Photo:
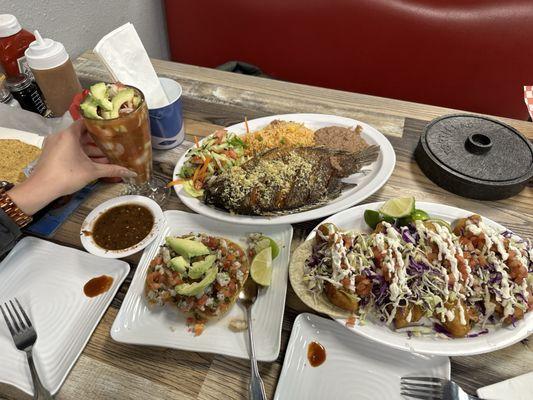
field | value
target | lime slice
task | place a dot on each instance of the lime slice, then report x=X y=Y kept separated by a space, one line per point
x=265 y=242
x=372 y=218
x=398 y=207
x=440 y=222
x=419 y=215
x=261 y=268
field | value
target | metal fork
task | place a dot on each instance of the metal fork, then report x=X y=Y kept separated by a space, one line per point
x=427 y=388
x=24 y=336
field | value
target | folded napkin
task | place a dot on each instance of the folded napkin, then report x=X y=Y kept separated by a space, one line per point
x=518 y=388
x=528 y=98
x=124 y=56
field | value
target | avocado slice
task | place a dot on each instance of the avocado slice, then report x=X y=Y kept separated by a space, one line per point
x=136 y=101
x=187 y=247
x=195 y=288
x=89 y=108
x=179 y=264
x=123 y=96
x=200 y=267
x=99 y=94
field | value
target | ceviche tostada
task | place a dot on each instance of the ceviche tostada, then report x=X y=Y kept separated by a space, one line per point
x=202 y=275
x=418 y=275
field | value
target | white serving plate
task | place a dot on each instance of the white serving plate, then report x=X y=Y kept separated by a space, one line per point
x=352 y=219
x=48 y=281
x=87 y=226
x=136 y=323
x=379 y=172
x=355 y=368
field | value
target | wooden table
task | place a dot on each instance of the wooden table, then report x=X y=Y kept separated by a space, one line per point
x=211 y=99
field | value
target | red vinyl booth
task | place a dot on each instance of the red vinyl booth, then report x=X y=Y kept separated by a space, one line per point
x=472 y=55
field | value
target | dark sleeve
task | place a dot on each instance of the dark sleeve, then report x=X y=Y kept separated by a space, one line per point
x=9 y=233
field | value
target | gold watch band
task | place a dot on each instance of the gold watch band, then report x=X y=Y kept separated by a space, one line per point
x=12 y=210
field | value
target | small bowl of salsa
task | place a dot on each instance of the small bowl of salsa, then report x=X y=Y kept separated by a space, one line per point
x=121 y=226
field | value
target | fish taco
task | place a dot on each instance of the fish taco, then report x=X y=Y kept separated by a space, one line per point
x=317 y=301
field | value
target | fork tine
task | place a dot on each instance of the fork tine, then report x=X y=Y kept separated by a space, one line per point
x=421 y=385
x=432 y=392
x=21 y=322
x=8 y=323
x=13 y=320
x=28 y=321
x=418 y=396
x=423 y=379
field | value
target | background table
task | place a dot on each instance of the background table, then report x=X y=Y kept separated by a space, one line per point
x=211 y=99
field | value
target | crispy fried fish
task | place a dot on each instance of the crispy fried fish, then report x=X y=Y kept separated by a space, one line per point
x=281 y=180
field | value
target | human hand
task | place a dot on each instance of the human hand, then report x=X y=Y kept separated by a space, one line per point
x=64 y=167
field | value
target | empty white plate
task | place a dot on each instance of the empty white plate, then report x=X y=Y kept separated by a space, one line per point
x=167 y=327
x=355 y=367
x=48 y=280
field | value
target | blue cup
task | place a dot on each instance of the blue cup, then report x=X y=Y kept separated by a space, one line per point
x=166 y=123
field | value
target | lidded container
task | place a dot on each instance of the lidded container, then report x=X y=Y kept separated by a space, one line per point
x=13 y=43
x=53 y=72
x=26 y=92
x=475 y=156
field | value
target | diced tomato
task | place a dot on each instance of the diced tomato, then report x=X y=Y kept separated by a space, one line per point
x=346 y=282
x=350 y=322
x=198 y=329
x=231 y=153
x=202 y=300
x=156 y=261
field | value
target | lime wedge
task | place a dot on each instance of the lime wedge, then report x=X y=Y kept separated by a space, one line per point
x=419 y=215
x=372 y=218
x=261 y=268
x=265 y=242
x=398 y=207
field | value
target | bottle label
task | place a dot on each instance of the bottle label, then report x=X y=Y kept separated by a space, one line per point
x=24 y=68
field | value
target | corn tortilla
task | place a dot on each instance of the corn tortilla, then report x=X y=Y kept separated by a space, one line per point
x=319 y=302
x=14 y=157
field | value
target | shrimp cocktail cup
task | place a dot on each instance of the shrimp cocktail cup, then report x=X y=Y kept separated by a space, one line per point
x=116 y=117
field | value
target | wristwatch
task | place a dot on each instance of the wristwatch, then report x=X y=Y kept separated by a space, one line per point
x=10 y=208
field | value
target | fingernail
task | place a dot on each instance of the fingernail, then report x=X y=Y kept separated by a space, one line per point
x=126 y=173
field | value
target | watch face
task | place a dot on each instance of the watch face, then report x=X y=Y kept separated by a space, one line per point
x=6 y=185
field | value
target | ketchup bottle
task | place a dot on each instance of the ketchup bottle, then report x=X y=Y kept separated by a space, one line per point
x=13 y=43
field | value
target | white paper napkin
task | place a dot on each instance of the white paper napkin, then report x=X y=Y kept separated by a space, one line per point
x=518 y=388
x=124 y=55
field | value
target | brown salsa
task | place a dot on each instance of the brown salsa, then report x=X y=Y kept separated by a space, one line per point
x=97 y=286
x=122 y=226
x=316 y=354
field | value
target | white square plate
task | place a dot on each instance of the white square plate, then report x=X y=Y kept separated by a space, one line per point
x=355 y=367
x=48 y=281
x=166 y=326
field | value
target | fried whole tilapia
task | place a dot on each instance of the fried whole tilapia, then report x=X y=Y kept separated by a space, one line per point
x=282 y=180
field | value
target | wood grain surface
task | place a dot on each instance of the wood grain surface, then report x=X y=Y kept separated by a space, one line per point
x=212 y=99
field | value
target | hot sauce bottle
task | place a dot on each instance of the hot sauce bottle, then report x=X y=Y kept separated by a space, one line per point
x=13 y=43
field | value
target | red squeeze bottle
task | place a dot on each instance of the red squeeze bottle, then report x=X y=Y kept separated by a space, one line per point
x=13 y=43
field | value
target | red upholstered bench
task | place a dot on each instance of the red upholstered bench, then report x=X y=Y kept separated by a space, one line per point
x=467 y=54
